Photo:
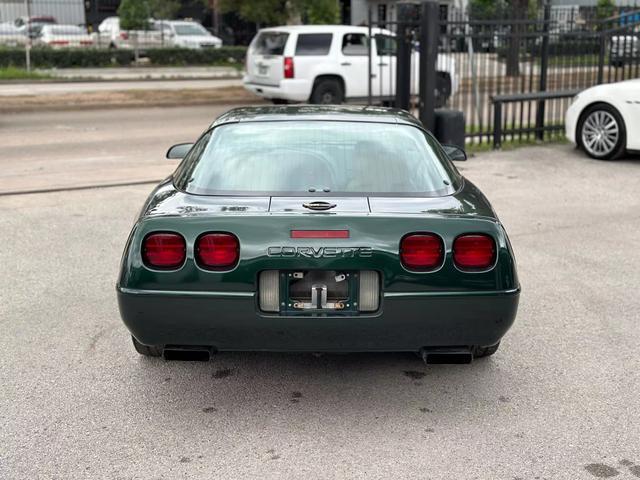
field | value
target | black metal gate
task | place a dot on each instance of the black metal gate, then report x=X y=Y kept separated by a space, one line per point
x=513 y=74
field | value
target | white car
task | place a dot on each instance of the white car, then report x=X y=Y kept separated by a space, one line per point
x=604 y=120
x=64 y=36
x=112 y=36
x=624 y=48
x=328 y=64
x=187 y=34
x=11 y=36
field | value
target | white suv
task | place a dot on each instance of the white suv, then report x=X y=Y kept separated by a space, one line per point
x=328 y=64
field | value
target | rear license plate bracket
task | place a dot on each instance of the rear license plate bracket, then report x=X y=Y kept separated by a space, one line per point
x=328 y=292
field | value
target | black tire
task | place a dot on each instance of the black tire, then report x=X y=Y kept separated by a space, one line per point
x=602 y=110
x=480 y=352
x=279 y=101
x=327 y=92
x=147 y=350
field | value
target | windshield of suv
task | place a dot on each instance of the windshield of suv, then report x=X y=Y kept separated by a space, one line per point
x=298 y=157
x=190 y=29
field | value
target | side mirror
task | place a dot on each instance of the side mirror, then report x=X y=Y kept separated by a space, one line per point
x=455 y=153
x=179 y=151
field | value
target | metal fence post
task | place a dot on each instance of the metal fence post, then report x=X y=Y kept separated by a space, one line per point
x=429 y=23
x=601 y=54
x=497 y=124
x=403 y=60
x=544 y=65
x=370 y=59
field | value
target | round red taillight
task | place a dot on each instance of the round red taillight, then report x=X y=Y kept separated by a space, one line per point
x=421 y=251
x=217 y=250
x=474 y=252
x=164 y=250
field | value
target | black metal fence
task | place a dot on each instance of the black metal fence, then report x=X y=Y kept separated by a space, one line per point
x=514 y=74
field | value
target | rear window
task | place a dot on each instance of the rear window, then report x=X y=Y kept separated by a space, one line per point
x=314 y=44
x=270 y=43
x=298 y=157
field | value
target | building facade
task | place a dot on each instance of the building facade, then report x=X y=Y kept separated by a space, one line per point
x=355 y=12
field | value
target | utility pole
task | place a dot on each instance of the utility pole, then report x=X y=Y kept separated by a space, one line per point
x=27 y=51
x=215 y=17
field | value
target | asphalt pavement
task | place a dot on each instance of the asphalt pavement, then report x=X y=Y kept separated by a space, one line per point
x=558 y=401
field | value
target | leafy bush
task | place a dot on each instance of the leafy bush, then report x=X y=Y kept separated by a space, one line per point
x=204 y=56
x=71 y=58
x=49 y=58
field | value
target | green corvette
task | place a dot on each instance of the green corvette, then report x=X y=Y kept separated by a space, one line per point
x=317 y=229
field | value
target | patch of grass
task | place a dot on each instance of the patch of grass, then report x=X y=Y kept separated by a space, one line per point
x=14 y=73
x=513 y=144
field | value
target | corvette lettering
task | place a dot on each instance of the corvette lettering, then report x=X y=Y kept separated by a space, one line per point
x=320 y=252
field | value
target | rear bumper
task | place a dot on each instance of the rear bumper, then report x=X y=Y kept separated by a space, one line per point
x=295 y=90
x=231 y=322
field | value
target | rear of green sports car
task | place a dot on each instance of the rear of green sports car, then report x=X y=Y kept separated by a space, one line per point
x=322 y=230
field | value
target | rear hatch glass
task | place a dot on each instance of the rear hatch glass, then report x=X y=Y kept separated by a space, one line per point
x=264 y=62
x=341 y=158
x=269 y=43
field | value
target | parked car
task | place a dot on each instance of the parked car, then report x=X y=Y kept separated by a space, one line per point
x=32 y=26
x=12 y=36
x=603 y=120
x=187 y=34
x=625 y=49
x=328 y=64
x=64 y=36
x=112 y=36
x=317 y=229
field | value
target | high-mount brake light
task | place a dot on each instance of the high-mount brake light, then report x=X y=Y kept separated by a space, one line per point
x=421 y=251
x=319 y=233
x=217 y=251
x=474 y=252
x=164 y=250
x=288 y=67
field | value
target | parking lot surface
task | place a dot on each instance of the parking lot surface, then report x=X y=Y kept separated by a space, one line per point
x=558 y=401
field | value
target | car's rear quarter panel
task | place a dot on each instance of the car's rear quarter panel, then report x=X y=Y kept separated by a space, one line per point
x=442 y=307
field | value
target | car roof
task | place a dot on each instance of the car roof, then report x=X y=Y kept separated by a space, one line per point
x=351 y=113
x=323 y=28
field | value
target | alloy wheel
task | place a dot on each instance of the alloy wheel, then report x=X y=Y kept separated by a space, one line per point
x=600 y=133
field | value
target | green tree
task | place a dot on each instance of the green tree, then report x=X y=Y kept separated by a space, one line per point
x=134 y=14
x=164 y=9
x=278 y=12
x=605 y=9
x=319 y=12
x=486 y=9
